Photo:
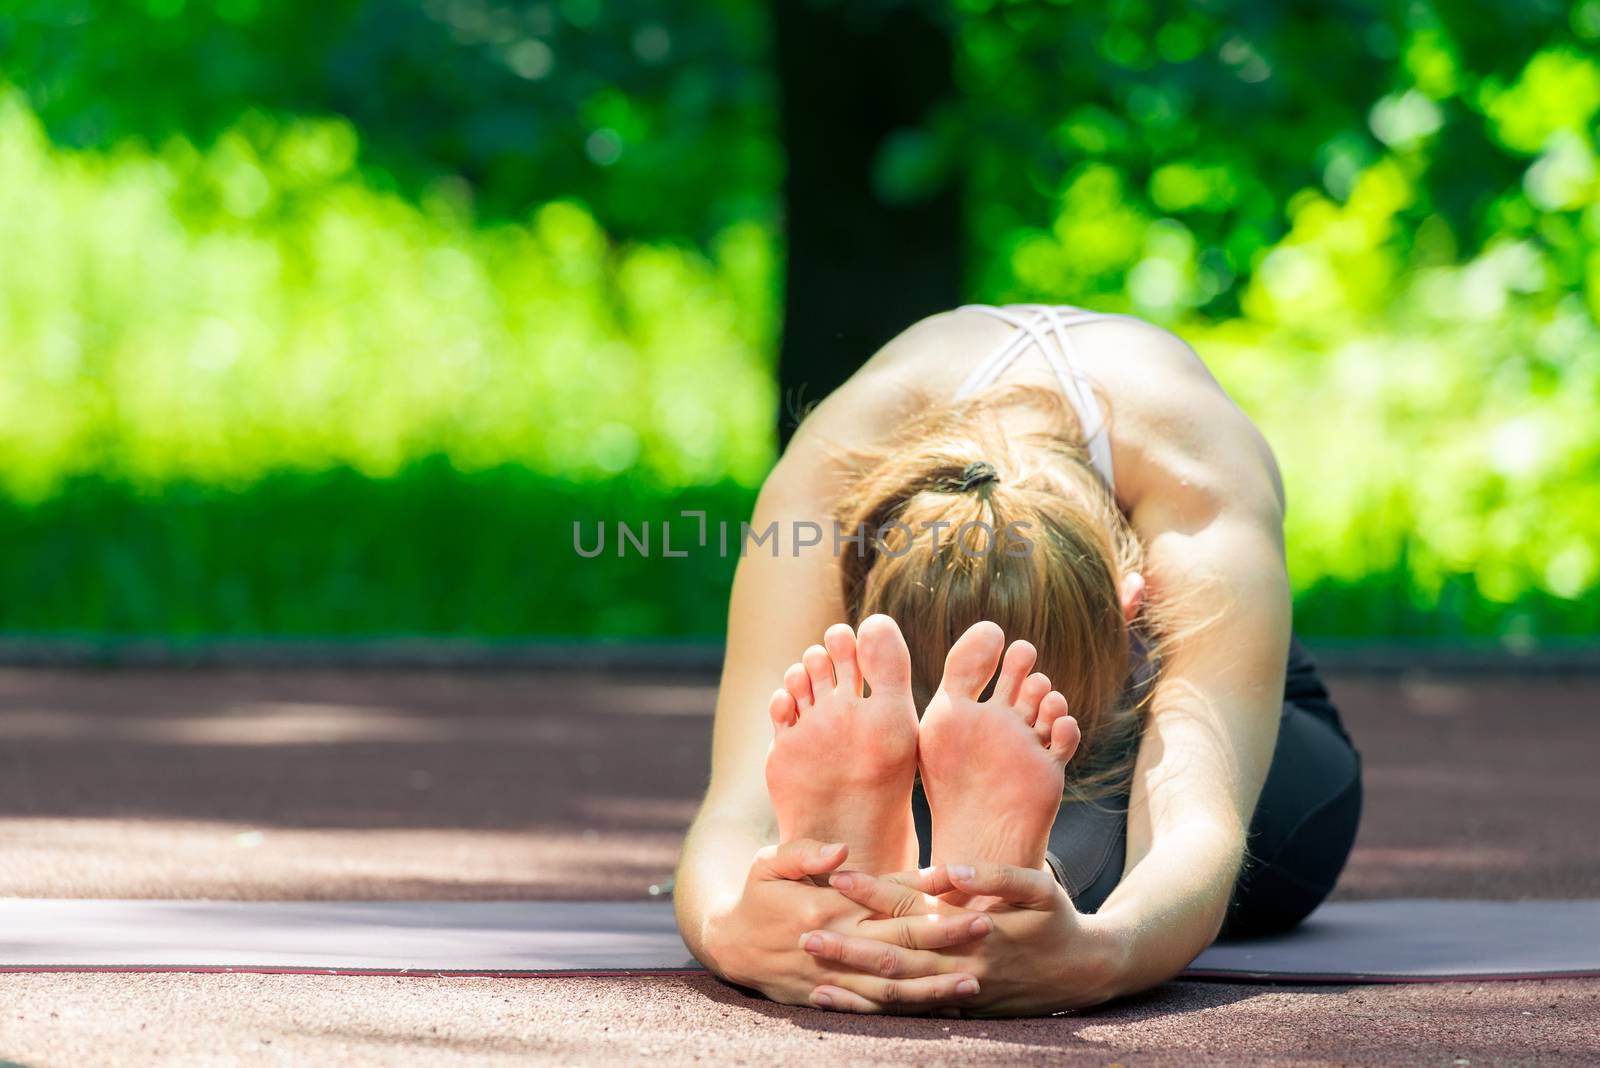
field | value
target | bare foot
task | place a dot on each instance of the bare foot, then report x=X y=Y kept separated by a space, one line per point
x=841 y=765
x=993 y=770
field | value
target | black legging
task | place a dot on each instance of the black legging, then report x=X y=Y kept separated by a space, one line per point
x=1304 y=824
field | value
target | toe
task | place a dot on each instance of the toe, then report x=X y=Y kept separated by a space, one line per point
x=1014 y=669
x=1032 y=691
x=820 y=668
x=1064 y=738
x=782 y=709
x=798 y=683
x=1052 y=708
x=883 y=655
x=840 y=641
x=972 y=659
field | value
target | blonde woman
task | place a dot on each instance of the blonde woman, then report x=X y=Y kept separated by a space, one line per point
x=1150 y=760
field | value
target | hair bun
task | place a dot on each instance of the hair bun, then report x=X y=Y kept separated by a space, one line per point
x=978 y=473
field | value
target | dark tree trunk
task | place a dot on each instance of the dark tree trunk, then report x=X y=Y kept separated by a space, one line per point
x=859 y=270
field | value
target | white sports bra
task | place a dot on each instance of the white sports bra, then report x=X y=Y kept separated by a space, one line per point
x=1044 y=326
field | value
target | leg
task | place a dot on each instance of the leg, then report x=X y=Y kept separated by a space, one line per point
x=841 y=763
x=1304 y=827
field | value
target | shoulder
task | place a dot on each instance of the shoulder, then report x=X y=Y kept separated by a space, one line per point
x=1153 y=361
x=1179 y=439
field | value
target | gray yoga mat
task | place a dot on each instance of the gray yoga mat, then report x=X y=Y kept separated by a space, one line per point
x=1364 y=941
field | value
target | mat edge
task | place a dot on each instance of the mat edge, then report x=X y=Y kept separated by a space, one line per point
x=1199 y=975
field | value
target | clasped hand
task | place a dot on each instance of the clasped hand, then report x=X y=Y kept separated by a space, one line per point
x=904 y=943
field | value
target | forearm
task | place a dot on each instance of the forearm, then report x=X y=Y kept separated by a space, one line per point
x=1208 y=741
x=1171 y=905
x=716 y=858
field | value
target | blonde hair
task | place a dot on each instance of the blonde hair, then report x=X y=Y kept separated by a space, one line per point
x=969 y=518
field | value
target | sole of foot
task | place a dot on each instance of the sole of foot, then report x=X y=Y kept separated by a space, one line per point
x=994 y=769
x=843 y=760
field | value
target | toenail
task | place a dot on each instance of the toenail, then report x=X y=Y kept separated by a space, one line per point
x=823 y=1001
x=813 y=943
x=966 y=988
x=962 y=872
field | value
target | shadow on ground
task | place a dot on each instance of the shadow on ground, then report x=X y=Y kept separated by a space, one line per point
x=542 y=784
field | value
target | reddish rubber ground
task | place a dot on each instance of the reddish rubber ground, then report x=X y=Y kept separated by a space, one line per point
x=438 y=785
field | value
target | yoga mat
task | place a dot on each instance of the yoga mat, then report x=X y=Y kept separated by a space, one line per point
x=1343 y=942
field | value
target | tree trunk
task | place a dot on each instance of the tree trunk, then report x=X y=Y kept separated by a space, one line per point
x=859 y=270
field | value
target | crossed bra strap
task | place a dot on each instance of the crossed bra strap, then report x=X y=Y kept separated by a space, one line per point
x=1044 y=326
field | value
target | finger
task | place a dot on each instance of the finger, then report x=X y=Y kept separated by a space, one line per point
x=931 y=882
x=911 y=878
x=1023 y=887
x=1034 y=687
x=782 y=709
x=1019 y=660
x=1064 y=738
x=865 y=993
x=916 y=918
x=799 y=858
x=798 y=683
x=819 y=666
x=840 y=641
x=928 y=932
x=935 y=883
x=874 y=957
x=883 y=896
x=837 y=999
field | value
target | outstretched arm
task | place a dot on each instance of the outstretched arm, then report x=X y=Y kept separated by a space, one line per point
x=779 y=606
x=1207 y=502
x=1212 y=726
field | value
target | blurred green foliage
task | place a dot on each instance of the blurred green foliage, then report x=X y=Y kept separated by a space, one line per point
x=255 y=306
x=429 y=549
x=248 y=393
x=331 y=318
x=1380 y=225
x=658 y=112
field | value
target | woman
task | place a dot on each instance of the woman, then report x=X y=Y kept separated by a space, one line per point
x=1080 y=484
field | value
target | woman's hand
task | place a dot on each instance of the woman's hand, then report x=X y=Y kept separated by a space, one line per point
x=1042 y=956
x=762 y=941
